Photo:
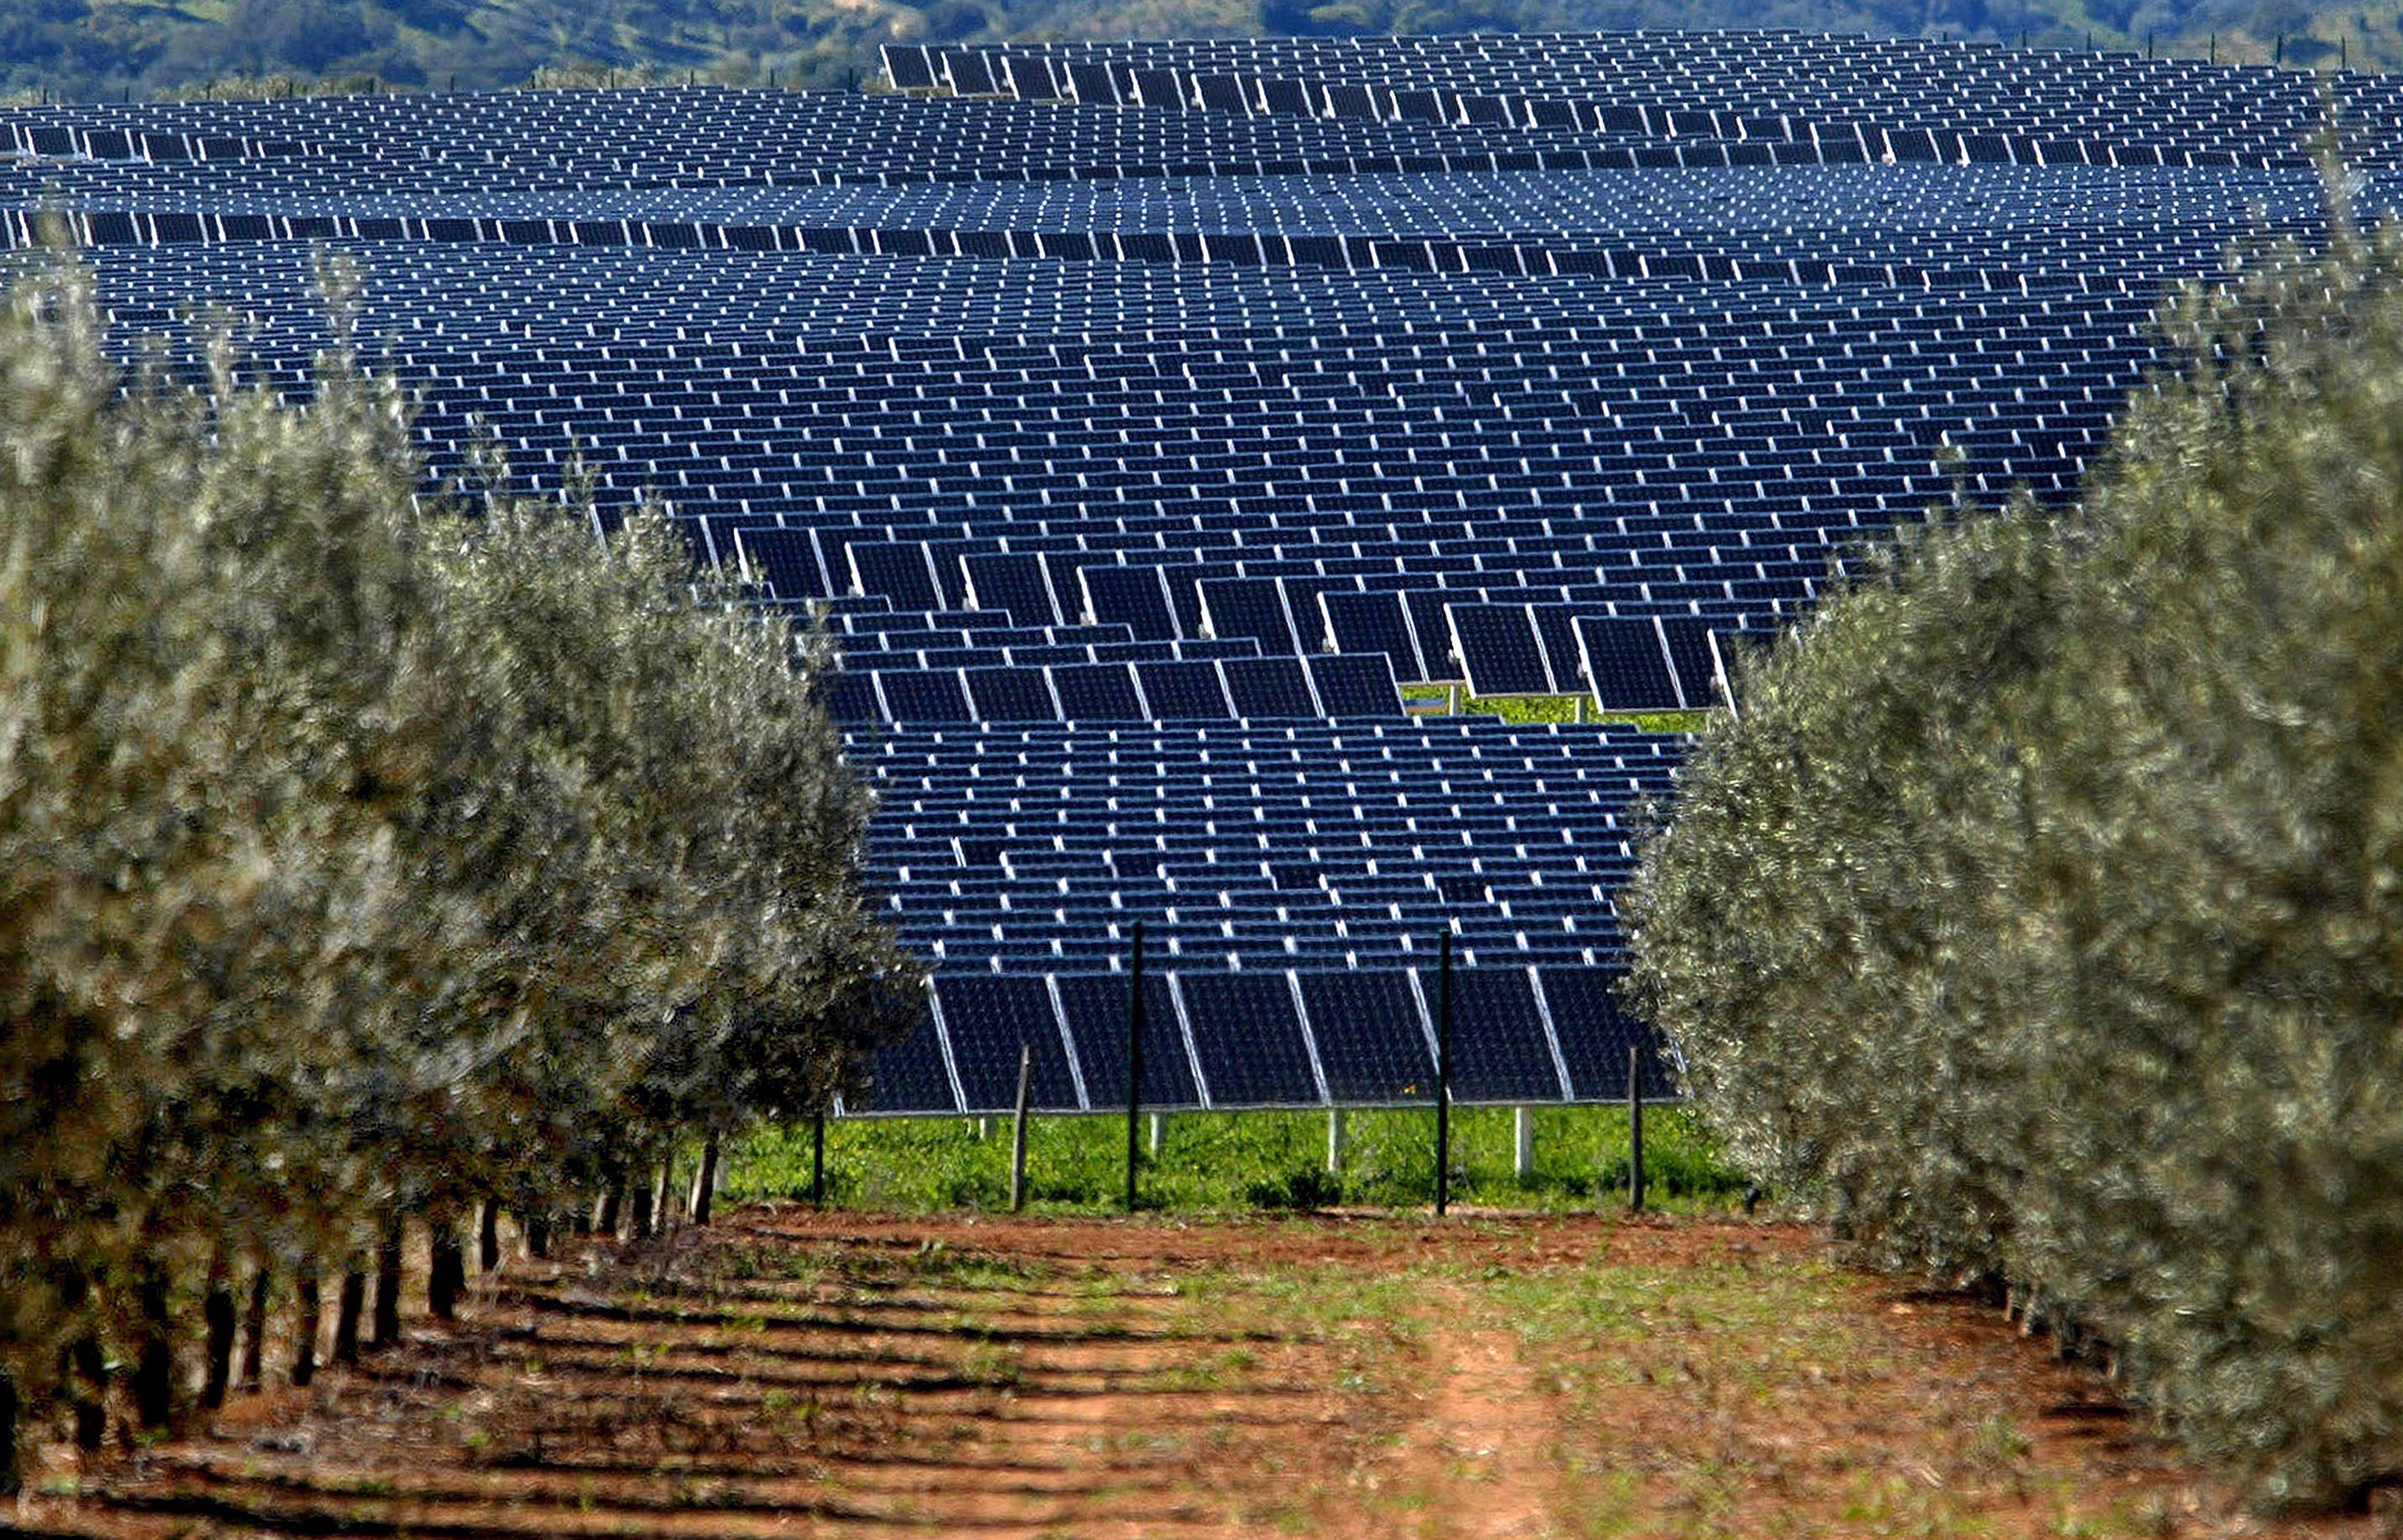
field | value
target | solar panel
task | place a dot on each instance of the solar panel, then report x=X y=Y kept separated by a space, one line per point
x=1688 y=643
x=906 y=66
x=1133 y=597
x=1014 y=584
x=1095 y=692
x=1401 y=334
x=911 y=1074
x=1247 y=1035
x=911 y=697
x=1497 y=1037
x=1009 y=695
x=987 y=1016
x=1248 y=606
x=1268 y=686
x=852 y=701
x=1433 y=628
x=1373 y=622
x=1627 y=663
x=1355 y=686
x=1595 y=1031
x=1095 y=1008
x=1498 y=649
x=1184 y=691
x=1371 y=1038
x=783 y=558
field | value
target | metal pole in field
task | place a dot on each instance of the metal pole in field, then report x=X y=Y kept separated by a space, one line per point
x=1134 y=1061
x=1443 y=1075
x=1635 y=1127
x=817 y=1160
x=1018 y=1129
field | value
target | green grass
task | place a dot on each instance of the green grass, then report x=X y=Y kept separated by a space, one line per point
x=1559 y=708
x=1234 y=1162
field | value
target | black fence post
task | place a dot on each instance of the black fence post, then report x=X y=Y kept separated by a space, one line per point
x=1134 y=1061
x=1635 y=1127
x=1443 y=1075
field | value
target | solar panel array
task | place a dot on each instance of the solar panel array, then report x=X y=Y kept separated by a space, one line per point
x=1139 y=417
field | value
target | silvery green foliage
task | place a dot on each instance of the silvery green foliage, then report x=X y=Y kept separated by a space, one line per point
x=1811 y=925
x=363 y=851
x=2043 y=916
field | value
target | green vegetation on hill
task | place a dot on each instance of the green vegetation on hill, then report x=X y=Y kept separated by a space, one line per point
x=82 y=49
x=2042 y=916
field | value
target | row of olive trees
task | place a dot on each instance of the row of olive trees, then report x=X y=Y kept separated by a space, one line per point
x=365 y=854
x=2041 y=917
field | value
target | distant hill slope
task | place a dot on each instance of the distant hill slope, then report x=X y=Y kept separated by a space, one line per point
x=88 y=49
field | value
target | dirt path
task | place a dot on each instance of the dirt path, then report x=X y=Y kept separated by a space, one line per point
x=1481 y=1457
x=788 y=1374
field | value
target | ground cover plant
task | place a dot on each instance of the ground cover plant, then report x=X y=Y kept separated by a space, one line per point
x=1229 y=1161
x=2040 y=918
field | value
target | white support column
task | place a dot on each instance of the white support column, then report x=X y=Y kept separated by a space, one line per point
x=1524 y=1125
x=1158 y=1129
x=1337 y=1134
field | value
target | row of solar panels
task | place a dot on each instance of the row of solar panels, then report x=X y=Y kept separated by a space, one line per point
x=1949 y=261
x=1633 y=663
x=1163 y=691
x=1752 y=72
x=1797 y=237
x=1259 y=845
x=1519 y=1035
x=1727 y=137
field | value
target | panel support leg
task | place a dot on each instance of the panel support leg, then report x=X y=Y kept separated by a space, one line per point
x=1522 y=1128
x=1336 y=1135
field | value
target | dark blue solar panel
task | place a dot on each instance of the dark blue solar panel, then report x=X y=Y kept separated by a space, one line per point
x=1095 y=692
x=1184 y=691
x=1132 y=597
x=1370 y=1035
x=1627 y=664
x=905 y=64
x=1434 y=629
x=929 y=697
x=899 y=572
x=783 y=560
x=907 y=1075
x=851 y=698
x=1689 y=653
x=1373 y=622
x=1248 y=1037
x=1268 y=686
x=1009 y=695
x=1248 y=606
x=988 y=1015
x=1355 y=686
x=1096 y=1007
x=1595 y=1031
x=1497 y=1038
x=1498 y=649
x=1013 y=584
x=1554 y=629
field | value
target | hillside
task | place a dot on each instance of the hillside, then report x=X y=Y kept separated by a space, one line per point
x=83 y=49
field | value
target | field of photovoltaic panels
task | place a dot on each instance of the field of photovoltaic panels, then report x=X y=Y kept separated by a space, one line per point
x=1144 y=416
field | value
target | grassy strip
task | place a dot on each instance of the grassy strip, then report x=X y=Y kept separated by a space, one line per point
x=1559 y=708
x=1225 y=1161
